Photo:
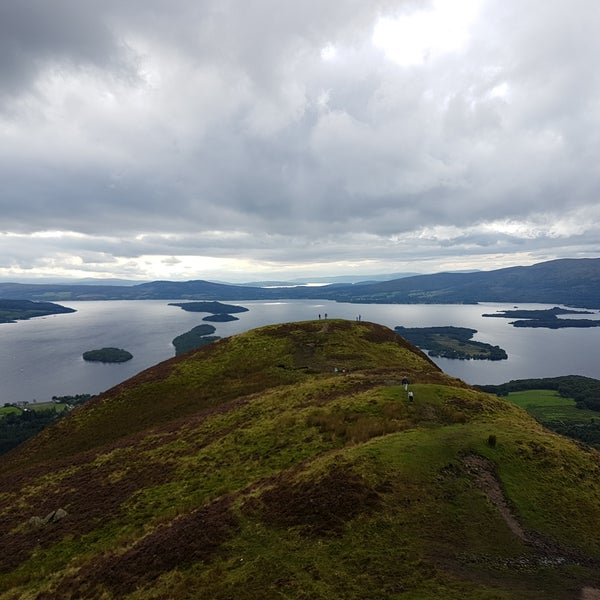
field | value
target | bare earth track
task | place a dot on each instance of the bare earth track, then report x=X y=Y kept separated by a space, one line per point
x=482 y=471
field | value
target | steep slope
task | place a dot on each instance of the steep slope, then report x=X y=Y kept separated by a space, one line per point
x=287 y=462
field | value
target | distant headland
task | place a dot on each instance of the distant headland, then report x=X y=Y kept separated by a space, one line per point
x=547 y=318
x=19 y=310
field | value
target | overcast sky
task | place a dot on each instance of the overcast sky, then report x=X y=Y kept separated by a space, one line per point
x=258 y=139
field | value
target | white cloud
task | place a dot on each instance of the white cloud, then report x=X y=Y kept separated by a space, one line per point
x=426 y=33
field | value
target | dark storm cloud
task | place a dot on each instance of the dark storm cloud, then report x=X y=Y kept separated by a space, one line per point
x=36 y=35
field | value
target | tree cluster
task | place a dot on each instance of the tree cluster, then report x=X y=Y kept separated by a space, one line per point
x=15 y=428
x=107 y=355
x=584 y=390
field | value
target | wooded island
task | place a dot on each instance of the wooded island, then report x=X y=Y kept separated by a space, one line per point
x=108 y=355
x=451 y=342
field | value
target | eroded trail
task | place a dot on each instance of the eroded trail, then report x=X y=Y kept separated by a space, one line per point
x=483 y=472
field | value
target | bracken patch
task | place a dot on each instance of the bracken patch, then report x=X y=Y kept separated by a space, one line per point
x=189 y=539
x=88 y=496
x=318 y=507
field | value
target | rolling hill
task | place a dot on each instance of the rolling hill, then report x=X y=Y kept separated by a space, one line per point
x=574 y=282
x=287 y=462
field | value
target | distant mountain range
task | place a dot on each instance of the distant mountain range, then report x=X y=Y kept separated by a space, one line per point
x=336 y=279
x=572 y=282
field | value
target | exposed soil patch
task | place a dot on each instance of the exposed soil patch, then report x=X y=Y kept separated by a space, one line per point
x=548 y=551
x=318 y=507
x=483 y=472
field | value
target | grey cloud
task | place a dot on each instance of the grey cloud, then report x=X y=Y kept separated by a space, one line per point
x=35 y=35
x=130 y=118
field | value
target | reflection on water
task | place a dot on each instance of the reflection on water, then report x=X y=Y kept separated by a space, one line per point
x=42 y=357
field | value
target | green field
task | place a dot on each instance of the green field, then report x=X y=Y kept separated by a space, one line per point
x=18 y=424
x=37 y=406
x=560 y=414
x=548 y=407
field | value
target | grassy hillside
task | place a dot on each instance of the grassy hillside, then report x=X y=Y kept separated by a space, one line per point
x=287 y=462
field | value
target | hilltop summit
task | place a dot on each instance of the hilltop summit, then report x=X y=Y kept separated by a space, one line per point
x=288 y=462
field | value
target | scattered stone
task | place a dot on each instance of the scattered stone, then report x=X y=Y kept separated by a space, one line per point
x=54 y=517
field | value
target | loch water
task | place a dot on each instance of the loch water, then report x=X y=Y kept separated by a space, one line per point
x=42 y=357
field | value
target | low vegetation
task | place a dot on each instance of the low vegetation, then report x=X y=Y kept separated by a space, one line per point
x=287 y=463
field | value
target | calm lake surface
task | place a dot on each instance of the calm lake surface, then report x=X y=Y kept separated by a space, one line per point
x=42 y=357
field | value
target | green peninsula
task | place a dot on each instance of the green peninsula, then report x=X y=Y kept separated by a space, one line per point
x=195 y=338
x=547 y=318
x=451 y=342
x=107 y=355
x=19 y=310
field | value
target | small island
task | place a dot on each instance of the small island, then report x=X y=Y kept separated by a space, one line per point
x=215 y=308
x=107 y=355
x=451 y=342
x=12 y=311
x=220 y=318
x=547 y=318
x=195 y=338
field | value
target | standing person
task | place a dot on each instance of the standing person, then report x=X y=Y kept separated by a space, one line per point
x=410 y=396
x=405 y=383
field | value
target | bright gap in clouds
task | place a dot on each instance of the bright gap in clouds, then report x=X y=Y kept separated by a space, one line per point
x=329 y=52
x=414 y=38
